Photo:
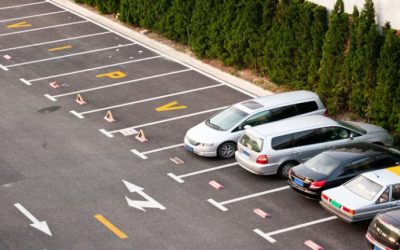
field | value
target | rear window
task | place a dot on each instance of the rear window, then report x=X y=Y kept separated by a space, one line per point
x=306 y=107
x=322 y=164
x=254 y=144
x=363 y=187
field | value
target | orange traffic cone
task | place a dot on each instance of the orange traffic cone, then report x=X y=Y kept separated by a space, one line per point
x=79 y=99
x=54 y=85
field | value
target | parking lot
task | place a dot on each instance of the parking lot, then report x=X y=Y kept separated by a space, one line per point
x=98 y=187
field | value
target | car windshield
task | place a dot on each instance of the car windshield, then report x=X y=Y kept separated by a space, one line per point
x=226 y=119
x=386 y=230
x=363 y=187
x=322 y=164
x=352 y=126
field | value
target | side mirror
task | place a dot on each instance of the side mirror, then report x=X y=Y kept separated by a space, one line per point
x=351 y=136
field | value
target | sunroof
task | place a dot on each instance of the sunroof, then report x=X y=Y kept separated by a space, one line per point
x=252 y=105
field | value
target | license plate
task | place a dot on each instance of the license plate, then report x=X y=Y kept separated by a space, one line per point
x=246 y=154
x=189 y=148
x=377 y=248
x=298 y=181
x=335 y=204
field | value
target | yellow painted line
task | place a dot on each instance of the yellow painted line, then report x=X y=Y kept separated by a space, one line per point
x=19 y=25
x=395 y=170
x=170 y=106
x=60 y=48
x=110 y=226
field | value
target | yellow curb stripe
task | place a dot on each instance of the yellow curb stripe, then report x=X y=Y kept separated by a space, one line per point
x=110 y=226
x=60 y=48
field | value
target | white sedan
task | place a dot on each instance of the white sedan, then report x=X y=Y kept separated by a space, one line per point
x=364 y=196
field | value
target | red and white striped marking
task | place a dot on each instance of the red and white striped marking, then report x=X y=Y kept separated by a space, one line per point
x=7 y=57
x=177 y=160
x=314 y=246
x=261 y=213
x=216 y=185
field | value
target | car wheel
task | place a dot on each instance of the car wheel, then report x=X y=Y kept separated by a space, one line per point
x=283 y=170
x=226 y=150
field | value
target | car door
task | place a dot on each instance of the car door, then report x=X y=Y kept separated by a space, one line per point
x=307 y=144
x=382 y=203
x=335 y=136
x=253 y=120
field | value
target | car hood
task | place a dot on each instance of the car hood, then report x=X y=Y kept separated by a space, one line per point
x=370 y=128
x=204 y=134
x=347 y=198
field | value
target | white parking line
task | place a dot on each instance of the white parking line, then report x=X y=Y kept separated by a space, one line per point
x=268 y=237
x=3 y=67
x=70 y=55
x=158 y=52
x=221 y=206
x=96 y=68
x=32 y=16
x=150 y=99
x=53 y=98
x=143 y=154
x=55 y=41
x=178 y=178
x=21 y=5
x=167 y=120
x=43 y=28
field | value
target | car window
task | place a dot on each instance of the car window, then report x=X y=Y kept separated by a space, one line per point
x=251 y=143
x=395 y=192
x=363 y=187
x=358 y=167
x=282 y=142
x=257 y=119
x=283 y=112
x=384 y=197
x=306 y=107
x=334 y=133
x=226 y=119
x=355 y=130
x=385 y=161
x=322 y=164
x=307 y=137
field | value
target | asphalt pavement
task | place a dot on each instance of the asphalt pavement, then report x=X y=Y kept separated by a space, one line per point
x=95 y=185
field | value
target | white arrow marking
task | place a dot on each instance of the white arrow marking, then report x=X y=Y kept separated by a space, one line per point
x=40 y=225
x=149 y=202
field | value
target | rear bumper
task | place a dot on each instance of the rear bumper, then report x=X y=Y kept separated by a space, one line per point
x=336 y=212
x=315 y=195
x=255 y=168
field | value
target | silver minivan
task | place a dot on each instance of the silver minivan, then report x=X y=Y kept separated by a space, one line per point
x=218 y=135
x=277 y=147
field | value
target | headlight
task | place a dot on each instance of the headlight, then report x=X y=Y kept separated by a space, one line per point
x=206 y=144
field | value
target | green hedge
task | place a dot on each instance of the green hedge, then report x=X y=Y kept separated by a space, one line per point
x=347 y=59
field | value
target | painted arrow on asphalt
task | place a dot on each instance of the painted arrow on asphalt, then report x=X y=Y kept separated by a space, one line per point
x=40 y=225
x=141 y=204
x=170 y=106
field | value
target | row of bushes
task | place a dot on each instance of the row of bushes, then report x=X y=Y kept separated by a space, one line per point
x=348 y=59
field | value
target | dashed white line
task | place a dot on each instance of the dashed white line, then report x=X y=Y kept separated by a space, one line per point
x=101 y=67
x=268 y=237
x=43 y=28
x=55 y=41
x=150 y=99
x=179 y=177
x=21 y=5
x=69 y=55
x=38 y=15
x=221 y=204
x=120 y=83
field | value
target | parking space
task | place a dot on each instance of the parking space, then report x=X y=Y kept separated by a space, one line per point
x=59 y=56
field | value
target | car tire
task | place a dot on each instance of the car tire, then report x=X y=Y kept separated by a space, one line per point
x=226 y=150
x=283 y=170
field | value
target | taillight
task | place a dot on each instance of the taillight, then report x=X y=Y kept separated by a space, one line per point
x=325 y=197
x=348 y=210
x=326 y=113
x=262 y=159
x=317 y=184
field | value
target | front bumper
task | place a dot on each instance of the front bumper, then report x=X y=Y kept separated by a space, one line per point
x=200 y=150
